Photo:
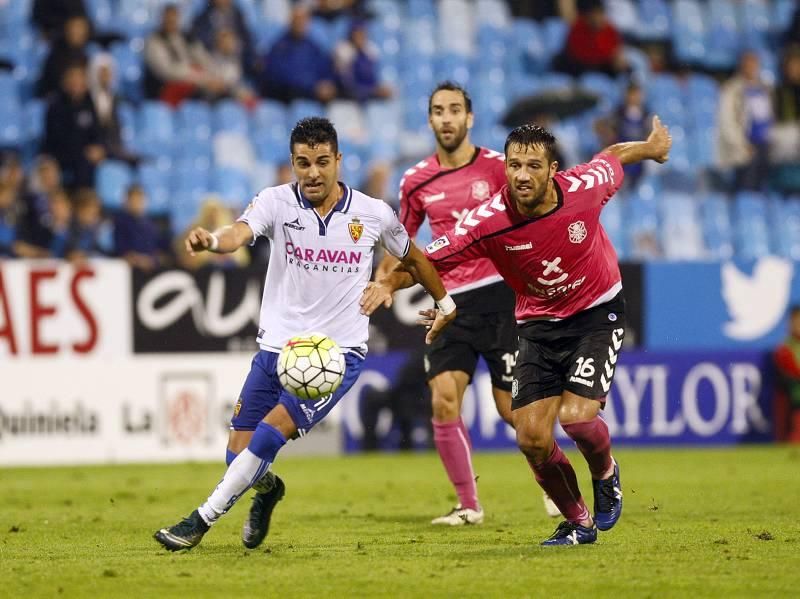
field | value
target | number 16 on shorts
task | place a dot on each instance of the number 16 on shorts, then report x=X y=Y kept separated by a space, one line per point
x=600 y=367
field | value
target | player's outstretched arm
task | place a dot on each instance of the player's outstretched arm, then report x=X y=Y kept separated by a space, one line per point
x=655 y=147
x=222 y=241
x=422 y=271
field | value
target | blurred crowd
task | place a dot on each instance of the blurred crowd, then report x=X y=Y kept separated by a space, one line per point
x=48 y=202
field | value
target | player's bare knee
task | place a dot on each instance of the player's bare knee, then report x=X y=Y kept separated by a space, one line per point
x=238 y=440
x=577 y=409
x=446 y=406
x=535 y=444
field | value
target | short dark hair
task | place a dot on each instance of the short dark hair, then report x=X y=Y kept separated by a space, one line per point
x=450 y=86
x=532 y=135
x=313 y=131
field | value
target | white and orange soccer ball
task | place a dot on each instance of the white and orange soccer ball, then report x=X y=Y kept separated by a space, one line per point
x=311 y=366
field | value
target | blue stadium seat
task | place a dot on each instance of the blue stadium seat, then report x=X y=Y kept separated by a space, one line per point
x=34 y=116
x=9 y=92
x=184 y=208
x=232 y=185
x=788 y=228
x=271 y=138
x=186 y=179
x=494 y=13
x=612 y=219
x=155 y=182
x=230 y=115
x=193 y=121
x=608 y=91
x=530 y=53
x=419 y=35
x=624 y=15
x=754 y=16
x=421 y=9
x=15 y=13
x=782 y=13
x=717 y=230
x=654 y=20
x=454 y=67
x=681 y=233
x=129 y=69
x=300 y=109
x=750 y=226
x=102 y=14
x=111 y=181
x=554 y=32
x=641 y=228
x=688 y=31
x=155 y=135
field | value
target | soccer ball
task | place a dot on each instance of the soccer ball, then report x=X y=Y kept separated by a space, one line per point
x=310 y=366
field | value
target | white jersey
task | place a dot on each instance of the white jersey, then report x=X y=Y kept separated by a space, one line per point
x=319 y=267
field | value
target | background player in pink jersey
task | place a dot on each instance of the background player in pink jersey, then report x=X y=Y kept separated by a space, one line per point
x=542 y=231
x=443 y=187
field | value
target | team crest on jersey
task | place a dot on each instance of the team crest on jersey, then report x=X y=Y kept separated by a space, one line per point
x=577 y=232
x=238 y=407
x=356 y=229
x=480 y=190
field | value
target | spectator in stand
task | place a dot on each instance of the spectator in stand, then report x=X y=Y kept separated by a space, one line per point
x=544 y=9
x=45 y=180
x=333 y=9
x=135 y=236
x=176 y=66
x=296 y=67
x=356 y=62
x=91 y=232
x=787 y=369
x=49 y=16
x=224 y=15
x=49 y=238
x=68 y=49
x=213 y=215
x=745 y=120
x=226 y=63
x=593 y=44
x=9 y=218
x=629 y=122
x=72 y=132
x=102 y=79
x=784 y=149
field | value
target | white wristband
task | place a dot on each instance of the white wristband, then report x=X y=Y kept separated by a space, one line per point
x=446 y=305
x=214 y=243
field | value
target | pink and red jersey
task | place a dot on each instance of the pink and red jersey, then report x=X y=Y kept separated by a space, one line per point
x=557 y=264
x=445 y=196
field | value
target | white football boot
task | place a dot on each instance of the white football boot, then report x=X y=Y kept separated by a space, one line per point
x=459 y=516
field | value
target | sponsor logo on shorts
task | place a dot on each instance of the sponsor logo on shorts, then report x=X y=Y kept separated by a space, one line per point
x=427 y=363
x=238 y=407
x=577 y=379
x=437 y=244
x=520 y=247
x=612 y=317
x=514 y=388
x=577 y=231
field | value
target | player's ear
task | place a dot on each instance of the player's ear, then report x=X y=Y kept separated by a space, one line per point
x=470 y=120
x=553 y=168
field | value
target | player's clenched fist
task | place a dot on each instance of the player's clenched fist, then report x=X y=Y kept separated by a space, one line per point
x=199 y=240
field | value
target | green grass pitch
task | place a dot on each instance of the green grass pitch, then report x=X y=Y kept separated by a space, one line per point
x=721 y=522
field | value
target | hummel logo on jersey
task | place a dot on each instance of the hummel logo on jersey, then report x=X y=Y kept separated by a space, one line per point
x=295 y=224
x=519 y=248
x=601 y=173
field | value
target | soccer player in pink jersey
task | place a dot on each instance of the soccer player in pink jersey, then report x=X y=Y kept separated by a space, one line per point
x=542 y=232
x=456 y=178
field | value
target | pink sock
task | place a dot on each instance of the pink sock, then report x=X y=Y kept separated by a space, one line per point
x=594 y=442
x=453 y=444
x=556 y=476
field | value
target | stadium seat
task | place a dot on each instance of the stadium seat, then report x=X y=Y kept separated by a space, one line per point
x=750 y=226
x=421 y=9
x=554 y=32
x=111 y=181
x=193 y=121
x=493 y=13
x=530 y=53
x=612 y=219
x=34 y=116
x=717 y=230
x=230 y=115
x=455 y=67
x=782 y=14
x=300 y=109
x=654 y=20
x=624 y=15
x=129 y=69
x=101 y=13
x=680 y=228
x=232 y=185
x=155 y=183
x=688 y=31
x=642 y=228
x=155 y=130
x=788 y=227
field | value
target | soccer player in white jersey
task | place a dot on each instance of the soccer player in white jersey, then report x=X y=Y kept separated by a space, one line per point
x=322 y=235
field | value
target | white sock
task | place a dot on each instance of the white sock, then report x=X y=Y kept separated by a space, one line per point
x=243 y=472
